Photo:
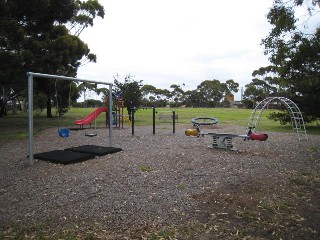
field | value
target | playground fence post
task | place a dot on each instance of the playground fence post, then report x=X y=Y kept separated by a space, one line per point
x=153 y=120
x=174 y=121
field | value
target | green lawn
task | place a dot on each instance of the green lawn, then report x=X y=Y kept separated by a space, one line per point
x=15 y=126
x=234 y=116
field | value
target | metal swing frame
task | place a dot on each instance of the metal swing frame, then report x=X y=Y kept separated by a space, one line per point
x=30 y=76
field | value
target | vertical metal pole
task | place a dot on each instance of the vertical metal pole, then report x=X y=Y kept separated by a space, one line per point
x=30 y=118
x=153 y=120
x=116 y=112
x=174 y=121
x=110 y=115
x=107 y=117
x=122 y=106
x=119 y=113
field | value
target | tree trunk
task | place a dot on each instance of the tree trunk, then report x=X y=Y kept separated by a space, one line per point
x=3 y=103
x=129 y=110
x=49 y=112
x=3 y=110
x=14 y=106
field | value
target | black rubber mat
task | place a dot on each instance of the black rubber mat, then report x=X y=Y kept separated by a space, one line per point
x=76 y=129
x=94 y=150
x=64 y=157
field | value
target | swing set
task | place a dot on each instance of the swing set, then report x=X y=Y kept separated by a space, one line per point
x=65 y=132
x=62 y=132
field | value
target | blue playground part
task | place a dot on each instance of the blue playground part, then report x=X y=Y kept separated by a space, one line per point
x=64 y=132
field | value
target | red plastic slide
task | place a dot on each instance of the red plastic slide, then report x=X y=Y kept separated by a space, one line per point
x=92 y=116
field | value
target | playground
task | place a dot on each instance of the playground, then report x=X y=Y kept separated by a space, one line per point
x=163 y=183
x=163 y=186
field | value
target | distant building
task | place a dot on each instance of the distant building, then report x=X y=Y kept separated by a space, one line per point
x=229 y=100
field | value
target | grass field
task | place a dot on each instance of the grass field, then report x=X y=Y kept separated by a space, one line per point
x=15 y=126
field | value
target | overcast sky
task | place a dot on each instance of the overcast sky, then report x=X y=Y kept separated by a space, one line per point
x=178 y=41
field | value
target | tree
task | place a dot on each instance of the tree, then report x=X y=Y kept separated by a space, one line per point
x=163 y=97
x=211 y=91
x=231 y=86
x=214 y=91
x=148 y=94
x=194 y=98
x=148 y=89
x=34 y=37
x=176 y=93
x=85 y=14
x=65 y=94
x=294 y=54
x=130 y=90
x=258 y=90
x=228 y=87
x=84 y=88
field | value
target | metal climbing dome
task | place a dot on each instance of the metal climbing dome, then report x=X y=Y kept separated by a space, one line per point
x=295 y=114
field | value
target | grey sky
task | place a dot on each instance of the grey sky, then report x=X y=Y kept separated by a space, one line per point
x=178 y=41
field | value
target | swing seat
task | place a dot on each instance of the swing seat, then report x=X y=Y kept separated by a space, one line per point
x=64 y=132
x=91 y=134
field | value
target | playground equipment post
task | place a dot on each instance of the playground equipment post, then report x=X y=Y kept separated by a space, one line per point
x=153 y=120
x=174 y=121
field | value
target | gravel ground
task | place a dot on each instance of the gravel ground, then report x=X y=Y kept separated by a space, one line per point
x=156 y=181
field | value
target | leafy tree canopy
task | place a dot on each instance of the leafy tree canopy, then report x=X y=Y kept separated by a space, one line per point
x=295 y=56
x=37 y=37
x=214 y=91
x=130 y=90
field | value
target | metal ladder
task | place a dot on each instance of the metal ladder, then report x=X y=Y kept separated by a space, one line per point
x=296 y=117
